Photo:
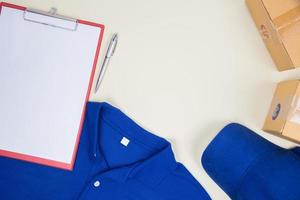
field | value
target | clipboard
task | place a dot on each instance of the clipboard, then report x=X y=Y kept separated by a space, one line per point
x=47 y=66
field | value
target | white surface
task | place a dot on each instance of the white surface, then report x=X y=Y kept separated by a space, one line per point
x=183 y=69
x=43 y=85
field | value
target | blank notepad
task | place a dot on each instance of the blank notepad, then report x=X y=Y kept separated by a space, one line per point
x=46 y=73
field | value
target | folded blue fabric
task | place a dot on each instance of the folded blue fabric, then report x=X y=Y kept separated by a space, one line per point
x=248 y=167
x=116 y=160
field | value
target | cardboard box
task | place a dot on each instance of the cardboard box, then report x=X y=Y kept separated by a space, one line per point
x=283 y=118
x=278 y=21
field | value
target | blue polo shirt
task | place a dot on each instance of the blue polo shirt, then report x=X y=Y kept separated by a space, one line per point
x=116 y=160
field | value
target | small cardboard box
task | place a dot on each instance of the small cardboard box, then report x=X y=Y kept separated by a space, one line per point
x=278 y=21
x=283 y=118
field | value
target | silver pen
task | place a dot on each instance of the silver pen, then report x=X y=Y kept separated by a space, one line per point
x=110 y=52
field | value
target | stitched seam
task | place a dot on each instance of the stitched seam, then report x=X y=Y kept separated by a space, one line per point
x=136 y=128
x=255 y=161
x=122 y=133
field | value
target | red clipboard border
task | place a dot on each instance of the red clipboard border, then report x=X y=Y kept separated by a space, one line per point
x=48 y=162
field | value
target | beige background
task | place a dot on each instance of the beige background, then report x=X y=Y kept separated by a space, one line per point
x=183 y=69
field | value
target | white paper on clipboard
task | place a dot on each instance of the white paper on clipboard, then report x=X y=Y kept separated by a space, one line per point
x=44 y=79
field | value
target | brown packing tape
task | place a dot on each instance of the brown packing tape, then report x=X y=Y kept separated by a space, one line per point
x=294 y=115
x=277 y=8
x=292 y=126
x=288 y=18
x=288 y=28
x=275 y=44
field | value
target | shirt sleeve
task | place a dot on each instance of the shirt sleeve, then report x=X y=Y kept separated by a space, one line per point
x=180 y=184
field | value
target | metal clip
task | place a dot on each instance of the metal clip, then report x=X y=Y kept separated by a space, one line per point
x=50 y=18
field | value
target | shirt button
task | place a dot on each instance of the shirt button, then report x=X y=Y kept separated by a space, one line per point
x=97 y=183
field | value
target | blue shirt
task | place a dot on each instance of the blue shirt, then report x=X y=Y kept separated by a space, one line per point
x=116 y=160
x=248 y=167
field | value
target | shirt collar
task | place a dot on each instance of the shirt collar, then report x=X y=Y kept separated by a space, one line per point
x=154 y=169
x=151 y=170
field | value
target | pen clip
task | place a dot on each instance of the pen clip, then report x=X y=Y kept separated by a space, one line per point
x=112 y=46
x=114 y=49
